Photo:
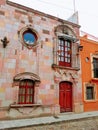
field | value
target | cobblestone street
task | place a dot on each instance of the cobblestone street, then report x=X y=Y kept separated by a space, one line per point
x=69 y=121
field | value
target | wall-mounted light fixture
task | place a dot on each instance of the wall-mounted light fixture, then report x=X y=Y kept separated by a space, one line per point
x=4 y=42
x=80 y=48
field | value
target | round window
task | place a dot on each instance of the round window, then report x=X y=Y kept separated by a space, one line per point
x=29 y=37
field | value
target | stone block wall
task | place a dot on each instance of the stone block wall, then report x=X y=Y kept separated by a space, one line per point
x=16 y=58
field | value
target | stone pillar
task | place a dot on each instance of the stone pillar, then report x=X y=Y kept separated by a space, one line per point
x=78 y=103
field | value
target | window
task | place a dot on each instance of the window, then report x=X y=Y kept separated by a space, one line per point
x=26 y=92
x=29 y=37
x=90 y=93
x=65 y=48
x=95 y=67
x=64 y=52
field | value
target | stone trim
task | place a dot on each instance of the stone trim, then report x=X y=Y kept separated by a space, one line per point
x=23 y=105
x=86 y=84
x=63 y=67
x=4 y=108
x=26 y=75
x=23 y=30
x=20 y=12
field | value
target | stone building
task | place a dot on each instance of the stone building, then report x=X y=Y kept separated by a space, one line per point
x=39 y=63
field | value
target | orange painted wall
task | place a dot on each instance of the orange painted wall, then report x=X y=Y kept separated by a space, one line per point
x=89 y=47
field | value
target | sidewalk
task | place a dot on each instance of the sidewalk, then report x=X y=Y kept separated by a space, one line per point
x=45 y=120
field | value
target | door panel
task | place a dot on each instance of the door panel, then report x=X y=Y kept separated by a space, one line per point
x=62 y=101
x=65 y=96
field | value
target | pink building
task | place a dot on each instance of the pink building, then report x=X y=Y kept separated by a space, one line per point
x=39 y=63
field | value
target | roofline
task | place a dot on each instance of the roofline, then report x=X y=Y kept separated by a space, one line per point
x=41 y=13
x=84 y=38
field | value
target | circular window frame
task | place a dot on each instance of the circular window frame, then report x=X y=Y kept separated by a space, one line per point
x=31 y=30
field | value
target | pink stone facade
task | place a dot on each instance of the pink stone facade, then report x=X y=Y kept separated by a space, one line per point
x=17 y=58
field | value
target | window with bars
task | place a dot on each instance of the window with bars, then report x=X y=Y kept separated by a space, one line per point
x=64 y=52
x=95 y=67
x=90 y=93
x=26 y=92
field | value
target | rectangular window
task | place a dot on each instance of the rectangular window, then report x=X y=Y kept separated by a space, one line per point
x=26 y=92
x=90 y=93
x=64 y=52
x=95 y=67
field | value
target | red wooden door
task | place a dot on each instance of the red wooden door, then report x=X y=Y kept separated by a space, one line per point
x=65 y=96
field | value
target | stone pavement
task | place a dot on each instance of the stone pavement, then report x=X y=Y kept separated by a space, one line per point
x=10 y=124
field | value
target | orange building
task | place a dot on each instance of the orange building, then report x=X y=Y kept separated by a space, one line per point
x=89 y=65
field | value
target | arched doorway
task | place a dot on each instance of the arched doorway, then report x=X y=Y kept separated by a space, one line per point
x=65 y=96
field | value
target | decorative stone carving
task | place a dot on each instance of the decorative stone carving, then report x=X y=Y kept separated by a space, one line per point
x=63 y=75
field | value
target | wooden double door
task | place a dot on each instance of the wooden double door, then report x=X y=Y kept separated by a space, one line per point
x=65 y=96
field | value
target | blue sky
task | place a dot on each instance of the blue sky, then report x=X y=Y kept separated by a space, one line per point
x=87 y=10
